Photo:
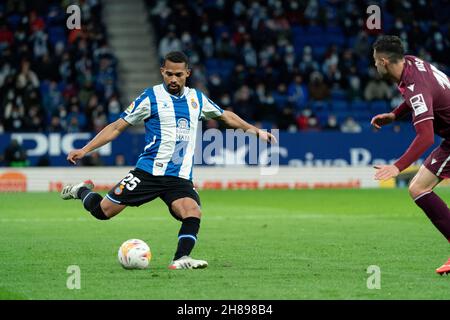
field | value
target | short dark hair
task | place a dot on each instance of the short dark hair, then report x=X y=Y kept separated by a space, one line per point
x=177 y=57
x=392 y=46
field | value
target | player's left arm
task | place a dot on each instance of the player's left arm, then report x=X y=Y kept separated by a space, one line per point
x=232 y=120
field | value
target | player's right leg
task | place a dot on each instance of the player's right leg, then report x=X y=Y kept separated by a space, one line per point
x=421 y=191
x=101 y=208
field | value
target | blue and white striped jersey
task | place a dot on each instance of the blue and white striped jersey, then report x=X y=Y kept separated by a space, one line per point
x=170 y=128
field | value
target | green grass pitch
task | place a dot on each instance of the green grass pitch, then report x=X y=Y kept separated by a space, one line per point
x=273 y=244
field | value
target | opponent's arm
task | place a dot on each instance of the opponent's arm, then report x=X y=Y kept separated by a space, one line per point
x=108 y=134
x=402 y=110
x=423 y=140
x=232 y=120
x=385 y=118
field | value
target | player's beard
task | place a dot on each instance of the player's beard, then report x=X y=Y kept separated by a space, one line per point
x=384 y=74
x=175 y=90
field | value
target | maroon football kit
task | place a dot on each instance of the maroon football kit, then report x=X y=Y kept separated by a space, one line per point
x=426 y=91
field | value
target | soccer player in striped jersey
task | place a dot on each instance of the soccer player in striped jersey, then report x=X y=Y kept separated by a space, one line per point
x=426 y=91
x=171 y=112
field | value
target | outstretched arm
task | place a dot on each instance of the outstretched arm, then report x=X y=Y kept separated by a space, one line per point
x=424 y=139
x=108 y=134
x=385 y=118
x=232 y=120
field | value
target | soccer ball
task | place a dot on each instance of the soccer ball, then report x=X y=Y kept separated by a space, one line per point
x=134 y=254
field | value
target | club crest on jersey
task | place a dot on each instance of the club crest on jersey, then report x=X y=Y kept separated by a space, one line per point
x=183 y=130
x=118 y=190
x=194 y=104
x=418 y=104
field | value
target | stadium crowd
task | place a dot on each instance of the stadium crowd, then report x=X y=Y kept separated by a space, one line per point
x=293 y=65
x=53 y=79
x=297 y=65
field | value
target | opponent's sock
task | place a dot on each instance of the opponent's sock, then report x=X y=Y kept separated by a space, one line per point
x=91 y=202
x=436 y=210
x=187 y=236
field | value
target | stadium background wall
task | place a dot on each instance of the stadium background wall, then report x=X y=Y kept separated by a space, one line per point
x=306 y=149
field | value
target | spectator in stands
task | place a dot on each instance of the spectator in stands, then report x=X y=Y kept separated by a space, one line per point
x=55 y=125
x=169 y=43
x=297 y=92
x=377 y=89
x=286 y=120
x=14 y=115
x=353 y=84
x=308 y=64
x=42 y=63
x=15 y=155
x=27 y=79
x=119 y=160
x=313 y=123
x=114 y=108
x=302 y=119
x=332 y=124
x=350 y=126
x=244 y=105
x=318 y=89
x=269 y=42
x=93 y=160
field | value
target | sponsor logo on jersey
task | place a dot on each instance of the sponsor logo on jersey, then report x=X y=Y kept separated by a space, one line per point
x=418 y=104
x=433 y=161
x=411 y=87
x=183 y=130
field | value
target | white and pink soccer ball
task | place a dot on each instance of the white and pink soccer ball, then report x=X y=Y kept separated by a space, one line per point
x=134 y=254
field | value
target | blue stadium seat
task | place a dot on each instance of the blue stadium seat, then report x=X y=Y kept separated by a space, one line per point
x=211 y=63
x=322 y=116
x=365 y=125
x=56 y=34
x=379 y=106
x=319 y=105
x=318 y=52
x=266 y=124
x=338 y=95
x=340 y=105
x=298 y=31
x=343 y=115
x=359 y=105
x=362 y=115
x=315 y=30
x=14 y=20
x=334 y=30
